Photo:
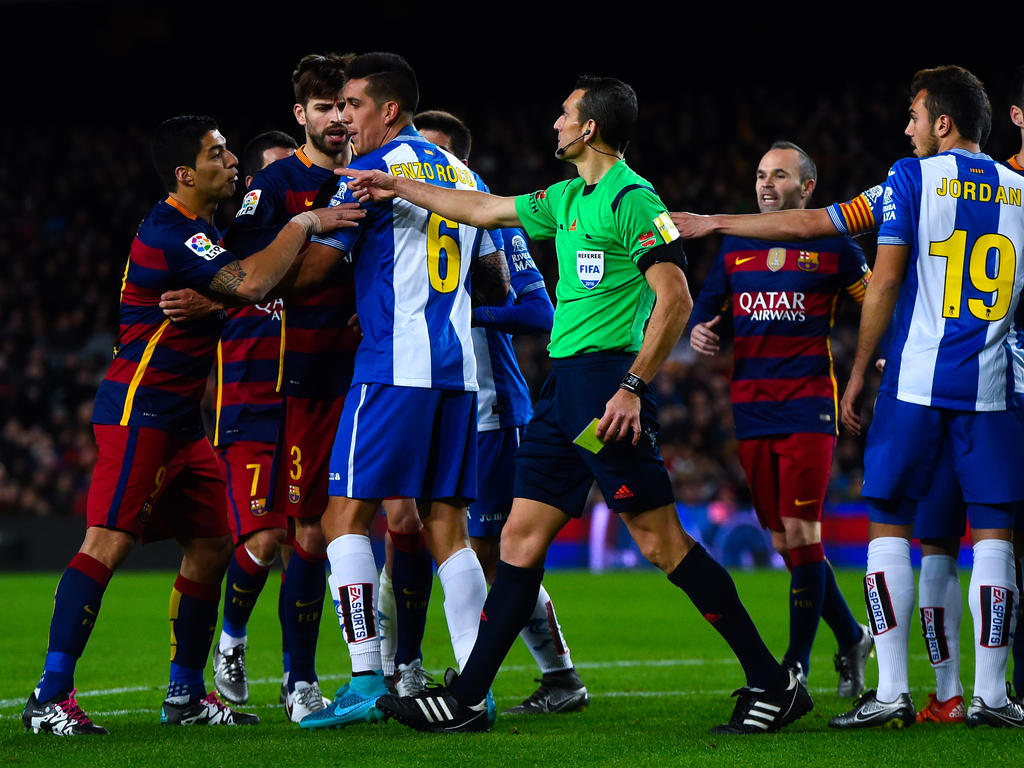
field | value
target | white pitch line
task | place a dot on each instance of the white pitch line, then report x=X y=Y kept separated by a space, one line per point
x=622 y=663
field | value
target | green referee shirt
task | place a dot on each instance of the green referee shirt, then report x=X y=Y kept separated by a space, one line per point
x=601 y=231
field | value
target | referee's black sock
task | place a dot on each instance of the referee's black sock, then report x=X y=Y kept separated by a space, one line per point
x=713 y=592
x=506 y=611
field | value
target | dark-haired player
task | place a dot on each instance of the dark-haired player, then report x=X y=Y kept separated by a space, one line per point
x=408 y=428
x=781 y=298
x=622 y=303
x=156 y=475
x=302 y=349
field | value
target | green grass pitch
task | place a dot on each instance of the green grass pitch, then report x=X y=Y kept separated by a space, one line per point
x=658 y=674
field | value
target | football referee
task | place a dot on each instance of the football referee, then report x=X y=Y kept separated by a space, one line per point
x=622 y=303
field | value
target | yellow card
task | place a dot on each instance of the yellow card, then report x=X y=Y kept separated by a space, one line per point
x=588 y=439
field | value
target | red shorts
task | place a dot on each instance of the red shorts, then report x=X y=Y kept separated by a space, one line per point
x=788 y=475
x=156 y=485
x=304 y=443
x=247 y=468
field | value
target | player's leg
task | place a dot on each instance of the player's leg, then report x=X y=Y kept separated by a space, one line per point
x=903 y=446
x=386 y=611
x=1017 y=652
x=193 y=510
x=941 y=608
x=988 y=451
x=299 y=492
x=304 y=587
x=258 y=533
x=353 y=585
x=804 y=466
x=411 y=580
x=561 y=688
x=128 y=477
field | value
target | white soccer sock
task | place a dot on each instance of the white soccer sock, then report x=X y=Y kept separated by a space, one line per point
x=465 y=590
x=942 y=607
x=992 y=594
x=543 y=636
x=227 y=642
x=889 y=587
x=386 y=619
x=353 y=583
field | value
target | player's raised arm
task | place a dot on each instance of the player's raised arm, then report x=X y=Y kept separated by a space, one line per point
x=791 y=224
x=478 y=209
x=252 y=278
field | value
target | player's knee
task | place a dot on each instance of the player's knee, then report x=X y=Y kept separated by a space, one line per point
x=800 y=533
x=107 y=545
x=265 y=544
x=309 y=535
x=206 y=559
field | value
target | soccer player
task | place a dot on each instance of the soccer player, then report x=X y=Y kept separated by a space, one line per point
x=622 y=303
x=940 y=517
x=782 y=299
x=948 y=266
x=263 y=149
x=503 y=410
x=304 y=351
x=408 y=428
x=156 y=475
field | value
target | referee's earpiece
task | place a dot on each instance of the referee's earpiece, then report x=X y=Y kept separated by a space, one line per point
x=586 y=132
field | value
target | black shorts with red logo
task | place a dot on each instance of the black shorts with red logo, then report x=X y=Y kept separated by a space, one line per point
x=552 y=469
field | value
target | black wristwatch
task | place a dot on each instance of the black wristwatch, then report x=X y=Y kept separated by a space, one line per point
x=633 y=383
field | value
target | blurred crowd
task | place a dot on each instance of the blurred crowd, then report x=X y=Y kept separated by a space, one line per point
x=69 y=207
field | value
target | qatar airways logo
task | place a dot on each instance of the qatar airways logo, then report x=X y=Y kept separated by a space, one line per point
x=773 y=305
x=273 y=308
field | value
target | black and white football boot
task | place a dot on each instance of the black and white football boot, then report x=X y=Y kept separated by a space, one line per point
x=436 y=710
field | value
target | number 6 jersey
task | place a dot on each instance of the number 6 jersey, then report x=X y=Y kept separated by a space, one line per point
x=412 y=275
x=961 y=216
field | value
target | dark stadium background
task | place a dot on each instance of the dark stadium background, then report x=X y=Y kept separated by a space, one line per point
x=85 y=83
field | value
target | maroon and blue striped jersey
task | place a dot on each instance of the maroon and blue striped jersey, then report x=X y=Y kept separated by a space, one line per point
x=782 y=298
x=301 y=346
x=159 y=371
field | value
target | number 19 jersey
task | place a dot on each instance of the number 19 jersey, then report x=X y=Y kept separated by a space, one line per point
x=961 y=215
x=411 y=271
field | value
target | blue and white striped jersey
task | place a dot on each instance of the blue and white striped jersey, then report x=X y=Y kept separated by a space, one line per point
x=504 y=397
x=412 y=274
x=961 y=215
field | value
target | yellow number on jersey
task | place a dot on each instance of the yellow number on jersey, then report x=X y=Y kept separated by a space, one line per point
x=438 y=241
x=954 y=251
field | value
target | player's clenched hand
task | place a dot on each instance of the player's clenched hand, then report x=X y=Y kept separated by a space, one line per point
x=187 y=304
x=621 y=414
x=691 y=225
x=848 y=405
x=703 y=339
x=369 y=186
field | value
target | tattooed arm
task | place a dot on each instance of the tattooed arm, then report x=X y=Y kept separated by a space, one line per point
x=251 y=279
x=490 y=279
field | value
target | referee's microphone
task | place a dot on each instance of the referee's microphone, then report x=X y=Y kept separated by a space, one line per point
x=561 y=150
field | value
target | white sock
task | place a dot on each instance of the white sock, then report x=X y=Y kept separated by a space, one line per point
x=942 y=608
x=227 y=642
x=465 y=590
x=889 y=587
x=353 y=583
x=543 y=636
x=386 y=623
x=992 y=594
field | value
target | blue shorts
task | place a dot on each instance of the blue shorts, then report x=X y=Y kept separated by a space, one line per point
x=941 y=514
x=405 y=441
x=920 y=454
x=553 y=470
x=495 y=468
